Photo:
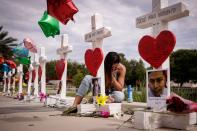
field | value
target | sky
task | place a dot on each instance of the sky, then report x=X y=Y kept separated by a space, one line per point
x=20 y=18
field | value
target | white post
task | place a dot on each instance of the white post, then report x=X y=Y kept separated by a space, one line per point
x=36 y=66
x=43 y=66
x=13 y=83
x=4 y=83
x=29 y=80
x=158 y=19
x=9 y=81
x=96 y=36
x=20 y=73
x=63 y=51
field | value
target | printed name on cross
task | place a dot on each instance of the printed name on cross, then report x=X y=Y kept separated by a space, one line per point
x=98 y=34
x=64 y=49
x=166 y=14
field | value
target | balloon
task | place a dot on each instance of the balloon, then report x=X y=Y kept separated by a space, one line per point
x=63 y=10
x=156 y=51
x=5 y=68
x=1 y=60
x=11 y=63
x=49 y=25
x=93 y=60
x=24 y=60
x=20 y=52
x=29 y=44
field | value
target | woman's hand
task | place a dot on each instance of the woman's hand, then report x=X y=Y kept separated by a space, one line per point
x=118 y=68
x=118 y=76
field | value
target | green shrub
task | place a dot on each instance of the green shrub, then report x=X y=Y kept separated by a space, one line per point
x=138 y=96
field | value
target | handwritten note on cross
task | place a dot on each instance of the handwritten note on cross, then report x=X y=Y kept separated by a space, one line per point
x=96 y=36
x=63 y=52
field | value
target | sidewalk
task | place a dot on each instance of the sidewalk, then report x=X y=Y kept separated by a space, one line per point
x=18 y=116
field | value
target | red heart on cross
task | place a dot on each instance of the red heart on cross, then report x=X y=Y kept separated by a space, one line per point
x=34 y=73
x=93 y=60
x=156 y=51
x=59 y=67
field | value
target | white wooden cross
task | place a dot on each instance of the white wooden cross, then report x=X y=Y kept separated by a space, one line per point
x=9 y=82
x=30 y=80
x=4 y=81
x=13 y=83
x=36 y=66
x=160 y=16
x=20 y=74
x=63 y=52
x=96 y=36
x=42 y=60
x=158 y=19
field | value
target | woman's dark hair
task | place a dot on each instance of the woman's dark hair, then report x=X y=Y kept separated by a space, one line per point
x=110 y=59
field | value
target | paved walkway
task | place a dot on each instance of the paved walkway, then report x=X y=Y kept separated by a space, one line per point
x=18 y=116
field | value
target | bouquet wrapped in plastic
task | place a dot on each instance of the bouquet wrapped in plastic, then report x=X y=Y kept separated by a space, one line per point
x=178 y=104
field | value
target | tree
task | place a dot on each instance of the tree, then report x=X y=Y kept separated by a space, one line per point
x=127 y=64
x=135 y=71
x=77 y=78
x=75 y=71
x=183 y=66
x=140 y=72
x=6 y=44
x=75 y=68
x=50 y=70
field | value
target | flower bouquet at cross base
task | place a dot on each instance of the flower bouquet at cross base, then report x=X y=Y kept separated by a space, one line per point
x=101 y=101
x=178 y=104
x=42 y=96
x=20 y=96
